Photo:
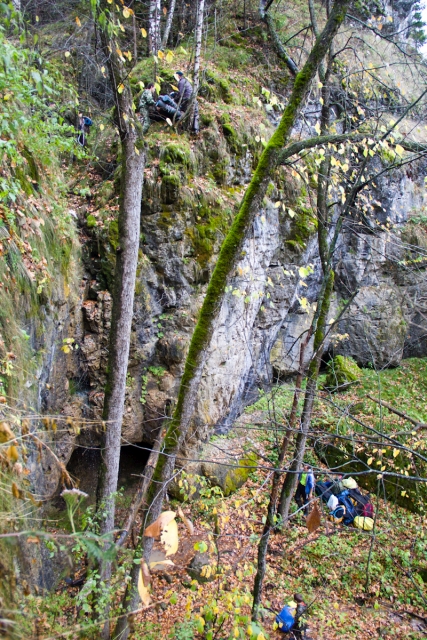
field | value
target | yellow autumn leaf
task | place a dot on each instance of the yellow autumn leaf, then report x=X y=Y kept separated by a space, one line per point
x=160 y=55
x=102 y=127
x=317 y=128
x=169 y=56
x=369 y=461
x=79 y=24
x=292 y=213
x=137 y=151
x=155 y=529
x=120 y=88
x=169 y=538
x=304 y=303
x=143 y=33
x=6 y=433
x=126 y=12
x=16 y=492
x=277 y=204
x=395 y=453
x=12 y=453
x=143 y=591
x=67 y=54
x=157 y=87
x=399 y=150
x=174 y=88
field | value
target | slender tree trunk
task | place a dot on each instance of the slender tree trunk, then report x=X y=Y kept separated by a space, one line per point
x=199 y=35
x=277 y=43
x=319 y=320
x=135 y=38
x=133 y=162
x=121 y=320
x=168 y=25
x=290 y=481
x=270 y=523
x=154 y=27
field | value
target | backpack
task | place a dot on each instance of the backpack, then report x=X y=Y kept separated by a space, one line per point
x=359 y=500
x=368 y=510
x=350 y=483
x=364 y=523
x=350 y=509
x=87 y=121
x=285 y=619
x=337 y=514
x=337 y=488
x=323 y=490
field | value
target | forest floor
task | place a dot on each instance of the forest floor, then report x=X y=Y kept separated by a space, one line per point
x=358 y=584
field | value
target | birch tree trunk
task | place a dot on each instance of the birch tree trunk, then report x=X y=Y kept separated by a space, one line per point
x=199 y=34
x=154 y=27
x=168 y=26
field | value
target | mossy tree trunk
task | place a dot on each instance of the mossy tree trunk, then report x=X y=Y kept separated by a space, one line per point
x=317 y=328
x=279 y=48
x=232 y=246
x=228 y=257
x=133 y=162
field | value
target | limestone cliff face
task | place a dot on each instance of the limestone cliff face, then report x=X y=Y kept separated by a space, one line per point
x=191 y=191
x=257 y=336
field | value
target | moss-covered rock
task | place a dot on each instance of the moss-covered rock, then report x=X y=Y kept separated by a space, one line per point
x=176 y=153
x=226 y=468
x=170 y=188
x=215 y=88
x=90 y=221
x=341 y=372
x=230 y=133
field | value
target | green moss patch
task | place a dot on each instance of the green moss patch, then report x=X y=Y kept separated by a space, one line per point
x=341 y=372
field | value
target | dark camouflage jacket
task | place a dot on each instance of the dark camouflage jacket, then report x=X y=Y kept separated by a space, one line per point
x=146 y=101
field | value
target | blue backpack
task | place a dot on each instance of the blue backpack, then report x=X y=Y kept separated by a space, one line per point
x=351 y=512
x=285 y=619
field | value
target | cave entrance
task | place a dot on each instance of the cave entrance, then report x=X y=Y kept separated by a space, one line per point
x=84 y=463
x=133 y=458
x=83 y=467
